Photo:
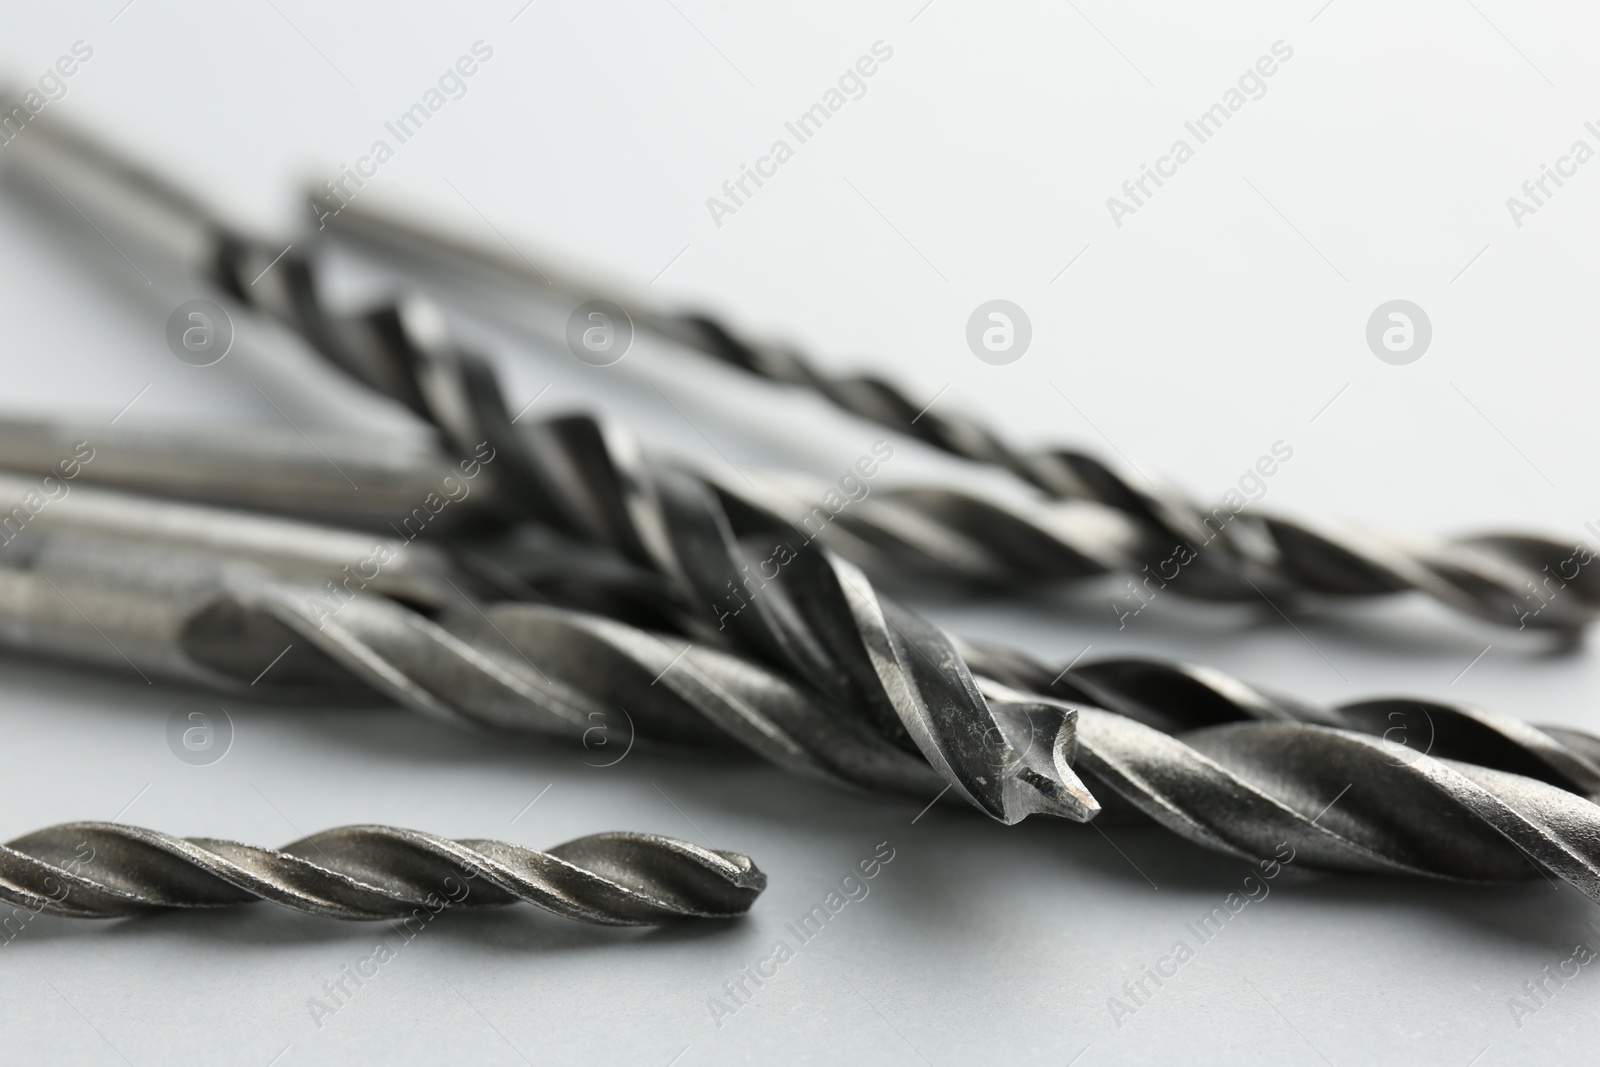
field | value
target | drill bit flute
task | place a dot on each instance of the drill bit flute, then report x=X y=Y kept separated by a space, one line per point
x=97 y=870
x=1243 y=787
x=1171 y=539
x=1391 y=786
x=246 y=603
x=1100 y=521
x=811 y=615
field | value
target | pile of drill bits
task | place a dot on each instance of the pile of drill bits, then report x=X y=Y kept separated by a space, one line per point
x=1093 y=519
x=815 y=669
x=1231 y=767
x=1217 y=553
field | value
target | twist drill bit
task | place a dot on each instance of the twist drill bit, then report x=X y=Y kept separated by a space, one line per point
x=245 y=603
x=1229 y=787
x=98 y=870
x=1105 y=521
x=1502 y=578
x=1112 y=521
x=279 y=470
x=816 y=617
x=1342 y=801
x=1176 y=698
x=1395 y=785
x=1392 y=786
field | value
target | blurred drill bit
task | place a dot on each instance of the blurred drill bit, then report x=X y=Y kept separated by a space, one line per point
x=1502 y=578
x=1101 y=519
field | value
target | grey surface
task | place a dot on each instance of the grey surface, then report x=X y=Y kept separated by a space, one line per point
x=1229 y=313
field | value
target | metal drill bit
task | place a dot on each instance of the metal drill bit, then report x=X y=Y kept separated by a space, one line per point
x=1342 y=801
x=1398 y=786
x=1110 y=522
x=816 y=617
x=260 y=468
x=1176 y=698
x=246 y=603
x=819 y=623
x=1502 y=578
x=342 y=476
x=99 y=870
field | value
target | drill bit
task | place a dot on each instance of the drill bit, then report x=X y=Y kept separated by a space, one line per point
x=1102 y=522
x=309 y=473
x=1502 y=578
x=1395 y=786
x=1342 y=801
x=246 y=603
x=816 y=617
x=1176 y=698
x=818 y=622
x=100 y=870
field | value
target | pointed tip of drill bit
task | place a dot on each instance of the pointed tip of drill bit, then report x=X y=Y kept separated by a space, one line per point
x=1041 y=738
x=1060 y=793
x=1074 y=801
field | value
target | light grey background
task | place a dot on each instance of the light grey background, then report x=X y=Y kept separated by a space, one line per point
x=1227 y=314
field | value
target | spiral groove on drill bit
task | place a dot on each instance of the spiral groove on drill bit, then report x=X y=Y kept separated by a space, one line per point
x=816 y=625
x=1509 y=579
x=373 y=872
x=1179 y=697
x=784 y=601
x=215 y=596
x=1097 y=518
x=1343 y=801
x=1460 y=794
x=815 y=618
x=1392 y=786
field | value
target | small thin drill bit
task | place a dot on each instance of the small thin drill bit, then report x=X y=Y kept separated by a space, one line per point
x=99 y=870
